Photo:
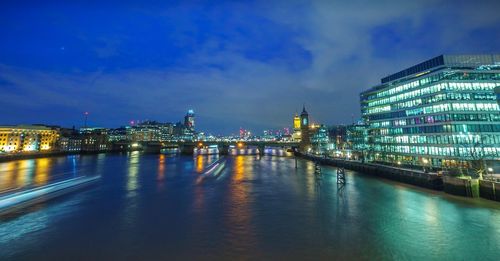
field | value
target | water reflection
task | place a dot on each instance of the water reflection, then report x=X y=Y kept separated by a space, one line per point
x=200 y=166
x=24 y=173
x=8 y=173
x=43 y=167
x=32 y=220
x=160 y=176
x=161 y=168
x=242 y=236
x=132 y=174
x=203 y=161
x=132 y=185
x=258 y=209
x=239 y=168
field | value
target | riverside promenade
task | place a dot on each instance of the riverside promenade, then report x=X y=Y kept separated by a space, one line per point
x=410 y=176
x=465 y=187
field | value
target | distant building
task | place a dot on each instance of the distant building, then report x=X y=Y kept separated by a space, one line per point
x=118 y=134
x=320 y=141
x=442 y=112
x=338 y=136
x=94 y=139
x=189 y=121
x=357 y=140
x=147 y=131
x=245 y=134
x=296 y=135
x=28 y=138
x=69 y=140
x=166 y=131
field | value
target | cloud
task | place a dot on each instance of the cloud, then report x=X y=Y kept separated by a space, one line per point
x=250 y=65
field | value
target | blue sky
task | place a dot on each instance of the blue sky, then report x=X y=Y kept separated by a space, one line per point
x=238 y=64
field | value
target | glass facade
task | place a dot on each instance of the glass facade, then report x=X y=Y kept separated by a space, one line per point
x=442 y=112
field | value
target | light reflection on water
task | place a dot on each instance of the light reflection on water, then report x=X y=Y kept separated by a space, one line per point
x=15 y=175
x=152 y=207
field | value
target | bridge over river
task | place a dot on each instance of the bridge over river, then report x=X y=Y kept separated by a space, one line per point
x=187 y=147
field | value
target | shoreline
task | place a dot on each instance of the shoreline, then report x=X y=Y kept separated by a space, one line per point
x=468 y=188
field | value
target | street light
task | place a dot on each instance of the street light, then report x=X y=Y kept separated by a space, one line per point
x=425 y=161
x=490 y=171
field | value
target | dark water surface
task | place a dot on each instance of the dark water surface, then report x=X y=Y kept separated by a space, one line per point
x=152 y=207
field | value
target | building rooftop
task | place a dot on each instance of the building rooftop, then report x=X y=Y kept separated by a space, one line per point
x=472 y=61
x=30 y=127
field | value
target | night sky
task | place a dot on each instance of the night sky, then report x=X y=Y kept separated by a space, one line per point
x=237 y=64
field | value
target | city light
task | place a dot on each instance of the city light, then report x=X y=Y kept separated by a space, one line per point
x=404 y=166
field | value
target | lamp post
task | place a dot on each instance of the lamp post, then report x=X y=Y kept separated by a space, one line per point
x=490 y=171
x=425 y=161
x=86 y=115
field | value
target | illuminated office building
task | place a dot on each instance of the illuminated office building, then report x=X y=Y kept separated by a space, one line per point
x=320 y=141
x=27 y=138
x=357 y=140
x=497 y=92
x=147 y=131
x=442 y=112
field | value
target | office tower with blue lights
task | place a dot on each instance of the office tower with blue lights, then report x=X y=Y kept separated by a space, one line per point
x=442 y=112
x=189 y=121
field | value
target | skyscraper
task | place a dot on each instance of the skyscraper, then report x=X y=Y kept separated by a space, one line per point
x=189 y=121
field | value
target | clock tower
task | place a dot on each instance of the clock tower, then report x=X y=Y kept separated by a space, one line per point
x=305 y=142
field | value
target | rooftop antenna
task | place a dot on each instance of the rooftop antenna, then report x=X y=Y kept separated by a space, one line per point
x=86 y=115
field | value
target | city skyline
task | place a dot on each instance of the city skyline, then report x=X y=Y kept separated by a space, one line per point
x=248 y=65
x=250 y=130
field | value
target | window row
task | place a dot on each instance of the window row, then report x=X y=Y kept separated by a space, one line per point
x=448 y=128
x=454 y=76
x=463 y=152
x=440 y=139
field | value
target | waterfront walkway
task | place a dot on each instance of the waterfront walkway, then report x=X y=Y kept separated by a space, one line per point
x=453 y=185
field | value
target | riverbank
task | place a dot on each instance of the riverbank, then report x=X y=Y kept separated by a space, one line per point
x=33 y=155
x=472 y=188
x=410 y=176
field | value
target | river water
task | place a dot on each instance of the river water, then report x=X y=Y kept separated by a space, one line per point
x=152 y=207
